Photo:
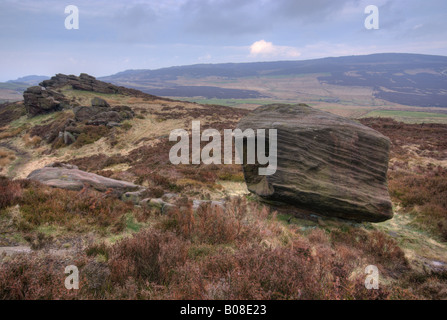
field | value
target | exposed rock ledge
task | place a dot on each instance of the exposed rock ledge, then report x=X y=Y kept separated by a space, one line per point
x=45 y=98
x=71 y=178
x=86 y=82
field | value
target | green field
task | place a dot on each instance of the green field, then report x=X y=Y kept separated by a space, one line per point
x=341 y=109
x=289 y=76
x=14 y=86
x=232 y=102
x=409 y=116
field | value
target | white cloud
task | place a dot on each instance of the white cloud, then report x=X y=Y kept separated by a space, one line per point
x=261 y=47
x=266 y=49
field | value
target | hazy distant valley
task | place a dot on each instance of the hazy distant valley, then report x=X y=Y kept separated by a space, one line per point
x=351 y=86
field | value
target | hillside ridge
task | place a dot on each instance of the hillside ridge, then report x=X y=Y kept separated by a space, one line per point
x=405 y=79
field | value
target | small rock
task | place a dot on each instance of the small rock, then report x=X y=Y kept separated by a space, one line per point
x=169 y=196
x=73 y=129
x=168 y=208
x=157 y=203
x=145 y=202
x=98 y=102
x=393 y=234
x=113 y=124
x=103 y=118
x=125 y=112
x=134 y=197
x=84 y=113
x=322 y=223
x=69 y=138
x=198 y=203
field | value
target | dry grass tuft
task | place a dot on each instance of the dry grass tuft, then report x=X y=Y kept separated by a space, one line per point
x=6 y=157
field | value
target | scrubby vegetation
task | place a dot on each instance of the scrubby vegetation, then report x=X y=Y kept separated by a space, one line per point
x=424 y=195
x=10 y=112
x=6 y=157
x=417 y=177
x=90 y=134
x=244 y=252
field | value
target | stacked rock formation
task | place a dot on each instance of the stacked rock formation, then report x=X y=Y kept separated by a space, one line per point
x=86 y=82
x=39 y=100
x=45 y=98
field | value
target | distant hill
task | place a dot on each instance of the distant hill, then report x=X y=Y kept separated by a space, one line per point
x=12 y=90
x=32 y=80
x=406 y=79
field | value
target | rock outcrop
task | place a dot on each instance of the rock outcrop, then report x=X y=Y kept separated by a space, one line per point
x=101 y=113
x=70 y=177
x=46 y=98
x=67 y=131
x=86 y=82
x=39 y=100
x=326 y=164
x=98 y=102
x=85 y=113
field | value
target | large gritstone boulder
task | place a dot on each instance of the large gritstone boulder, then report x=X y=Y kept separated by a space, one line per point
x=326 y=164
x=71 y=178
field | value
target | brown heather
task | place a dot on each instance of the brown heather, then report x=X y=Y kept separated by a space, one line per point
x=247 y=251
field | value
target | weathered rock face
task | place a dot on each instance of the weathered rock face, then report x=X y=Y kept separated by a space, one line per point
x=98 y=102
x=71 y=178
x=44 y=98
x=86 y=82
x=87 y=113
x=103 y=118
x=100 y=113
x=326 y=164
x=83 y=82
x=38 y=100
x=125 y=112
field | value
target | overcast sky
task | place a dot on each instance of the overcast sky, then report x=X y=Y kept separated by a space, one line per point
x=118 y=35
